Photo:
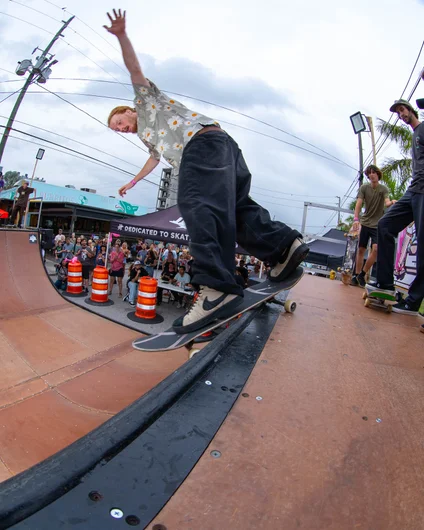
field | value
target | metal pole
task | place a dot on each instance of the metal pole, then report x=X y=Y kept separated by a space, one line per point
x=14 y=112
x=30 y=79
x=371 y=126
x=27 y=206
x=339 y=213
x=361 y=160
x=305 y=213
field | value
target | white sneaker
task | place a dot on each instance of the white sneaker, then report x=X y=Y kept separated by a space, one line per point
x=179 y=306
x=289 y=261
x=209 y=306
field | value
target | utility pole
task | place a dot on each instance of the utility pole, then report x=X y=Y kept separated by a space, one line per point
x=361 y=160
x=39 y=72
x=371 y=126
x=339 y=213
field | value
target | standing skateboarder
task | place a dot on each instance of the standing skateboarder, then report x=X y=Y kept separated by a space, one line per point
x=213 y=192
x=407 y=209
x=21 y=202
x=376 y=197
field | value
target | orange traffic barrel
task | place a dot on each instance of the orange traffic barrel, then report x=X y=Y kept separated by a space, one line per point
x=146 y=301
x=99 y=289
x=74 y=278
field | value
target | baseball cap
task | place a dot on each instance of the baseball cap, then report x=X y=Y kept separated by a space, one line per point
x=420 y=103
x=137 y=262
x=403 y=102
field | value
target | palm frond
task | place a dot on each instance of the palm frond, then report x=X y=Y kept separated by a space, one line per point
x=398 y=171
x=401 y=134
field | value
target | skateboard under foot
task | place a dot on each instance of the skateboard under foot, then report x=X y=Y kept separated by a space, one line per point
x=253 y=296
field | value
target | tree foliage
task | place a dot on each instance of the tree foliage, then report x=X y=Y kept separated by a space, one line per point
x=10 y=177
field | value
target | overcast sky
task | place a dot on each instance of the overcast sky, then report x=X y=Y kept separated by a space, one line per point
x=302 y=67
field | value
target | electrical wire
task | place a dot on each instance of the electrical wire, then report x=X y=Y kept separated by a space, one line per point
x=94 y=118
x=66 y=42
x=10 y=95
x=228 y=109
x=64 y=9
x=78 y=152
x=77 y=142
x=221 y=121
x=26 y=22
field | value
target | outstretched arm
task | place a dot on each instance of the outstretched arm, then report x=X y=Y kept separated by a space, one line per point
x=117 y=28
x=358 y=209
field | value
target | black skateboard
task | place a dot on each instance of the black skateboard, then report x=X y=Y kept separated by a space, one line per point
x=253 y=296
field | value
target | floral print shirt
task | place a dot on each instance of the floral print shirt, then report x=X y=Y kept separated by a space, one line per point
x=164 y=125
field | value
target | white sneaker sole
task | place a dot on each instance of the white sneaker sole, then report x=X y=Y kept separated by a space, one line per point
x=404 y=312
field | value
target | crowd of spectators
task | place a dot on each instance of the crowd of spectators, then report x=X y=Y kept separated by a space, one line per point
x=133 y=261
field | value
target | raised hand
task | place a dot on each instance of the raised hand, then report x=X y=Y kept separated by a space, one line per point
x=117 y=24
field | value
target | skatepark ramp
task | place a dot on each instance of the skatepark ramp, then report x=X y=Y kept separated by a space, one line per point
x=313 y=420
x=75 y=396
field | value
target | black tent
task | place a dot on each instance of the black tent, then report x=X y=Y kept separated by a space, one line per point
x=164 y=225
x=328 y=253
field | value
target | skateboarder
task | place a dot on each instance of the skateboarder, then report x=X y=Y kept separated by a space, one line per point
x=376 y=197
x=213 y=192
x=21 y=202
x=407 y=209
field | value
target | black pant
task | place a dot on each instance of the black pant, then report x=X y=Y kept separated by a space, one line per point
x=409 y=208
x=18 y=208
x=213 y=197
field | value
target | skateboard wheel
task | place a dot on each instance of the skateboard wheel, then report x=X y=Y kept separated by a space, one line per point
x=193 y=352
x=364 y=296
x=289 y=306
x=367 y=302
x=389 y=308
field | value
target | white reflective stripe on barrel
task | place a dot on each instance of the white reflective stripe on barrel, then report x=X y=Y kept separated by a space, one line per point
x=96 y=280
x=74 y=284
x=74 y=273
x=146 y=307
x=146 y=295
x=97 y=291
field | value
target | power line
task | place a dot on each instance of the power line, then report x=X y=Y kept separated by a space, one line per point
x=334 y=158
x=295 y=194
x=77 y=33
x=197 y=99
x=36 y=10
x=64 y=9
x=369 y=157
x=77 y=142
x=10 y=95
x=221 y=121
x=65 y=41
x=8 y=71
x=26 y=22
x=283 y=198
x=92 y=117
x=80 y=153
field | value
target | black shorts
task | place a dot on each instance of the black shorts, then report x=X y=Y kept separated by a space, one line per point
x=86 y=272
x=365 y=234
x=117 y=274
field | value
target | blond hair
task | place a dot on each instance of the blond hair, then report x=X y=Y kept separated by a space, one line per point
x=119 y=110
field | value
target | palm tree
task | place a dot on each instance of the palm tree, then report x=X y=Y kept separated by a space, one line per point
x=397 y=172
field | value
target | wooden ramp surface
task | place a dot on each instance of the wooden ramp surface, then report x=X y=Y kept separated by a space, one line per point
x=337 y=440
x=64 y=371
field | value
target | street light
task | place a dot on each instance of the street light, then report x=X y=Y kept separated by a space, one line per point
x=359 y=126
x=38 y=156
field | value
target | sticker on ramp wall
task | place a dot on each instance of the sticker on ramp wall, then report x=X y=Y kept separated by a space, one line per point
x=32 y=238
